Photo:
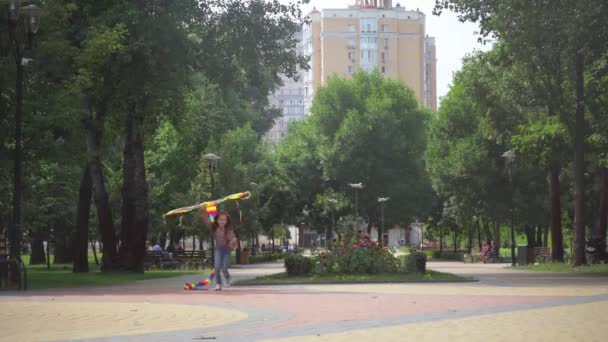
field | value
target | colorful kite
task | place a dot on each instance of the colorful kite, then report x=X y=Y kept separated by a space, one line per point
x=201 y=284
x=211 y=206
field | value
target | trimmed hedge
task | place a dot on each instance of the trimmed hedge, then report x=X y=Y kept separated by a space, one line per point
x=415 y=263
x=298 y=265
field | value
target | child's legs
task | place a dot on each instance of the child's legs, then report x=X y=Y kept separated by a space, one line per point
x=217 y=264
x=225 y=263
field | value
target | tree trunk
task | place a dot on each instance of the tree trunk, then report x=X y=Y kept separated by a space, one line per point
x=81 y=236
x=440 y=239
x=599 y=235
x=479 y=244
x=38 y=256
x=486 y=226
x=497 y=236
x=579 y=165
x=63 y=248
x=94 y=127
x=455 y=237
x=530 y=235
x=557 y=240
x=546 y=236
x=539 y=236
x=135 y=193
x=470 y=243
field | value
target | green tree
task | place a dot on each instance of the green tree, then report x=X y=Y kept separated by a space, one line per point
x=550 y=37
x=373 y=131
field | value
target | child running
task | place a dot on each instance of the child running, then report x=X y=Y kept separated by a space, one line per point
x=222 y=232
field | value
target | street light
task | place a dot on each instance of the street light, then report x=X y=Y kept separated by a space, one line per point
x=333 y=202
x=211 y=163
x=382 y=200
x=510 y=159
x=356 y=186
x=31 y=14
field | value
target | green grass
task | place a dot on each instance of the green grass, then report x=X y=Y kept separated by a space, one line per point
x=404 y=249
x=283 y=279
x=61 y=276
x=600 y=269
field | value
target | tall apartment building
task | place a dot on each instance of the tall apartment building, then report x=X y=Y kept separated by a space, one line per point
x=367 y=35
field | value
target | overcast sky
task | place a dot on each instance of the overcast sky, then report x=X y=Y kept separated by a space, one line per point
x=453 y=38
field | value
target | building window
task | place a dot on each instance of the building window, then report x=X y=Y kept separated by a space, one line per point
x=386 y=43
x=384 y=56
x=350 y=69
x=384 y=28
x=384 y=70
x=369 y=25
x=428 y=94
x=351 y=56
x=351 y=43
x=351 y=28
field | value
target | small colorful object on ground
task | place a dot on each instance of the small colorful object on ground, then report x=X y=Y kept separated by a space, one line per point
x=211 y=206
x=201 y=284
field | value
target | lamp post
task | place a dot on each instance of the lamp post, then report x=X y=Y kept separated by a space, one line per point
x=333 y=202
x=19 y=40
x=356 y=186
x=382 y=200
x=253 y=233
x=510 y=158
x=211 y=164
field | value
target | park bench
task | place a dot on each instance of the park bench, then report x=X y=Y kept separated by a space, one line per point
x=541 y=252
x=153 y=258
x=191 y=256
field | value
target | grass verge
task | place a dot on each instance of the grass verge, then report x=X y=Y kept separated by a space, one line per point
x=61 y=276
x=283 y=279
x=599 y=269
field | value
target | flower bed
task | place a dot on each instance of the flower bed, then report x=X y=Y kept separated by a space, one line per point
x=357 y=255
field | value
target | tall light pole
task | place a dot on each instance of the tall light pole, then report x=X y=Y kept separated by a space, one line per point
x=510 y=158
x=382 y=200
x=333 y=202
x=19 y=40
x=356 y=186
x=211 y=164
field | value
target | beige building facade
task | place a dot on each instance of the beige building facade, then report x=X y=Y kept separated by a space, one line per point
x=369 y=35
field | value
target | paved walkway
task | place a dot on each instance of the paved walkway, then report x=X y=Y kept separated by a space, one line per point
x=502 y=305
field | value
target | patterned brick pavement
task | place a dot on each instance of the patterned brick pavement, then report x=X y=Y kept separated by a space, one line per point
x=502 y=300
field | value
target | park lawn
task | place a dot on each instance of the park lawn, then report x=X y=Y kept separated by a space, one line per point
x=61 y=275
x=283 y=279
x=599 y=269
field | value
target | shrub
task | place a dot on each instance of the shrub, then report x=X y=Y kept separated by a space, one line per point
x=415 y=263
x=298 y=265
x=358 y=255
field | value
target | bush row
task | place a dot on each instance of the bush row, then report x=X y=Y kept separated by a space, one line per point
x=358 y=255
